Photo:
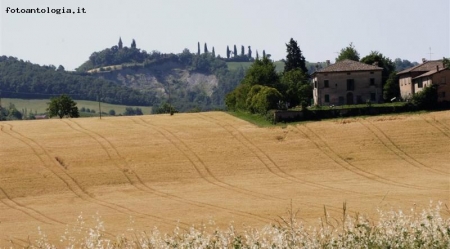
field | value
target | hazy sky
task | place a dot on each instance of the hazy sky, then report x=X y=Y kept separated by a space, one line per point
x=397 y=28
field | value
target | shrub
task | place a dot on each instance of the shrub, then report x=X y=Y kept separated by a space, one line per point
x=427 y=98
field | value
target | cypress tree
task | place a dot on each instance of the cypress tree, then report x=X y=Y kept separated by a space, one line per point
x=242 y=51
x=206 y=48
x=228 y=52
x=213 y=52
x=120 y=42
x=133 y=44
x=294 y=58
x=235 y=51
x=264 y=54
x=249 y=52
x=257 y=55
x=198 y=52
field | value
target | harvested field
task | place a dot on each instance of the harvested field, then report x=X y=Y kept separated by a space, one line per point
x=162 y=171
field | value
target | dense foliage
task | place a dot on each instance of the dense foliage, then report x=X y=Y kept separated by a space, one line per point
x=391 y=89
x=427 y=98
x=263 y=89
x=20 y=79
x=63 y=106
x=378 y=59
x=349 y=53
x=10 y=113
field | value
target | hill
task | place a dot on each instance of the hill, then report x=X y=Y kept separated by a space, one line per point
x=163 y=170
x=21 y=79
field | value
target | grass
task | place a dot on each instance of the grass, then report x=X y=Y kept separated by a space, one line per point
x=40 y=105
x=255 y=119
x=279 y=65
x=187 y=169
x=396 y=104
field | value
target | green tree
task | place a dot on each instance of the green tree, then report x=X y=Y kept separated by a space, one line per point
x=242 y=51
x=120 y=43
x=446 y=62
x=213 y=53
x=427 y=98
x=294 y=58
x=380 y=60
x=235 y=51
x=198 y=51
x=62 y=106
x=228 y=52
x=262 y=72
x=133 y=44
x=112 y=112
x=261 y=99
x=391 y=89
x=295 y=87
x=206 y=49
x=349 y=53
x=249 y=52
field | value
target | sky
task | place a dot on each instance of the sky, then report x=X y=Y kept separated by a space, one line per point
x=405 y=29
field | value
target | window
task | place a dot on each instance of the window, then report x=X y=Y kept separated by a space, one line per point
x=443 y=80
x=348 y=73
x=315 y=84
x=326 y=83
x=350 y=85
x=327 y=98
x=419 y=83
x=372 y=81
x=373 y=97
x=371 y=72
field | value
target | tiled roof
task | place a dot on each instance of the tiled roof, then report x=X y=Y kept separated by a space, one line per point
x=424 y=67
x=430 y=73
x=347 y=66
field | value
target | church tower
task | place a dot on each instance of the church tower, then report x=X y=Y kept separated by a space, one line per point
x=120 y=43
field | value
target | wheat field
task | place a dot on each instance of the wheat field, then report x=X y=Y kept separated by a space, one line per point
x=165 y=171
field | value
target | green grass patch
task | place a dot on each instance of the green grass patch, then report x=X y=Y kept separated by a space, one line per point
x=255 y=119
x=394 y=104
x=40 y=105
x=279 y=65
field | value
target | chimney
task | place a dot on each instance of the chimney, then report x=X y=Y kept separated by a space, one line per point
x=437 y=68
x=328 y=62
x=424 y=60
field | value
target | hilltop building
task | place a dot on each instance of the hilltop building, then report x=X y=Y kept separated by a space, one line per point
x=347 y=82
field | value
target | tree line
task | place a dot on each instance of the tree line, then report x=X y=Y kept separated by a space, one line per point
x=21 y=79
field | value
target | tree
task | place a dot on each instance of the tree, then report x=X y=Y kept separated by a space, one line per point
x=133 y=44
x=427 y=98
x=213 y=53
x=112 y=112
x=349 y=53
x=446 y=62
x=206 y=48
x=264 y=54
x=120 y=43
x=242 y=51
x=295 y=87
x=235 y=51
x=257 y=55
x=60 y=68
x=294 y=58
x=377 y=58
x=391 y=89
x=228 y=52
x=198 y=52
x=249 y=52
x=62 y=106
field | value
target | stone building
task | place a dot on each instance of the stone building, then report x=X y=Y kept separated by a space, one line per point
x=406 y=76
x=438 y=76
x=347 y=82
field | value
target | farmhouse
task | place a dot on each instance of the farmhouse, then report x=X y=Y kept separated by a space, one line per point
x=407 y=88
x=347 y=82
x=438 y=77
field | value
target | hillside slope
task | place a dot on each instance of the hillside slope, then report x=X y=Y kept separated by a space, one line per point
x=162 y=170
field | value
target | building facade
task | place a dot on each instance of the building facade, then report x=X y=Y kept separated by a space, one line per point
x=439 y=77
x=406 y=76
x=347 y=82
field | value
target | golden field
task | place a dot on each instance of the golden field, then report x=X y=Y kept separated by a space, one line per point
x=162 y=171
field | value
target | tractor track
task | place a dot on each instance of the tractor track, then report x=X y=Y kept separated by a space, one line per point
x=282 y=174
x=357 y=170
x=396 y=149
x=75 y=187
x=200 y=167
x=141 y=185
